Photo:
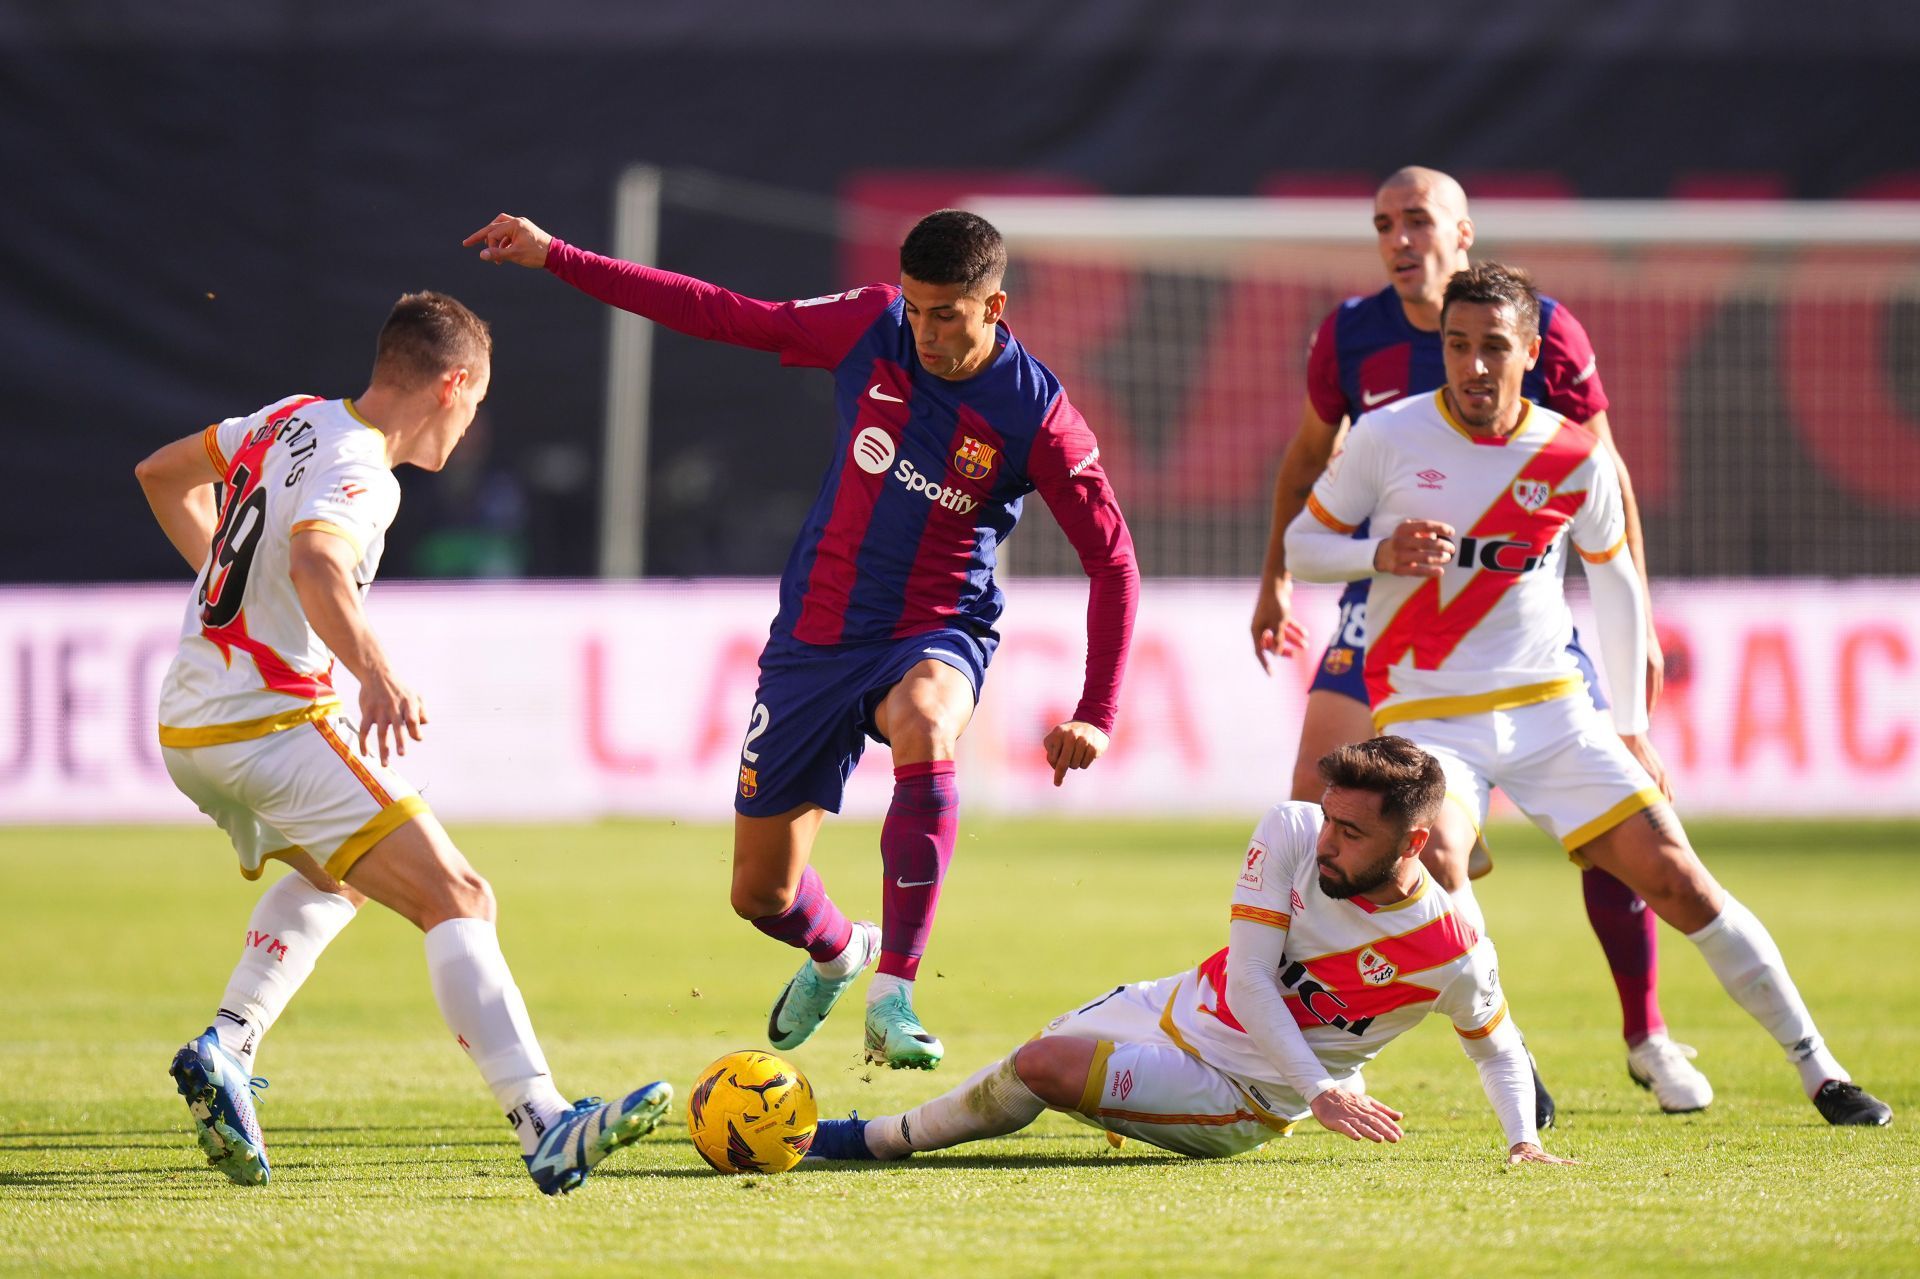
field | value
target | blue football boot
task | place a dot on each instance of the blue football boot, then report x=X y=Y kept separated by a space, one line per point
x=219 y=1095
x=840 y=1139
x=591 y=1131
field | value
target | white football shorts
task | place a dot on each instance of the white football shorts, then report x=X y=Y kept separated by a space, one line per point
x=307 y=787
x=1560 y=762
x=1142 y=1084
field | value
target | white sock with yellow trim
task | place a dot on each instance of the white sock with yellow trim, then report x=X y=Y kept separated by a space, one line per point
x=1742 y=954
x=291 y=924
x=993 y=1102
x=483 y=1008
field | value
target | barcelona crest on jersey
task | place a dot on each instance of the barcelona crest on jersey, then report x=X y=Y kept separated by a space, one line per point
x=974 y=459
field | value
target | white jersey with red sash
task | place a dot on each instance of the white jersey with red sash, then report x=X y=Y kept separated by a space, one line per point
x=1355 y=974
x=249 y=664
x=1491 y=633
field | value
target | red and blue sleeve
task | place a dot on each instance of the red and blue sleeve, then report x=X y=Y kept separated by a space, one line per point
x=1065 y=469
x=1324 y=392
x=815 y=333
x=1570 y=369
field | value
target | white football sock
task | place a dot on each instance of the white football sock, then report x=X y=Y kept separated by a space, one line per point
x=291 y=924
x=1467 y=907
x=1743 y=956
x=885 y=984
x=486 y=1014
x=993 y=1102
x=861 y=943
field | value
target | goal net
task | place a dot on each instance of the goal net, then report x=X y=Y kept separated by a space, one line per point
x=1762 y=361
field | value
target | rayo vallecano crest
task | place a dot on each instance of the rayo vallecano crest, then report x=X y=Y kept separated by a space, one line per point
x=974 y=459
x=1531 y=494
x=1376 y=969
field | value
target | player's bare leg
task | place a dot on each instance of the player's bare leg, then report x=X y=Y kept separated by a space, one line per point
x=922 y=717
x=1446 y=858
x=1649 y=852
x=776 y=888
x=1333 y=720
x=417 y=872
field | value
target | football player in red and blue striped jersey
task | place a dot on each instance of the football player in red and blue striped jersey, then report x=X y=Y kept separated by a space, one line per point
x=888 y=601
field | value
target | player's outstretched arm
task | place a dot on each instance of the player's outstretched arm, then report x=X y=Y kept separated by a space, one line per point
x=1274 y=628
x=321 y=565
x=511 y=239
x=178 y=480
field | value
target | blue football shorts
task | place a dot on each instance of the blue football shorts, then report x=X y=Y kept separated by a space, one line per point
x=813 y=712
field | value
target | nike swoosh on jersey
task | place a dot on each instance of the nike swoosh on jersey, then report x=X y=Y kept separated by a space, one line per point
x=875 y=392
x=1370 y=399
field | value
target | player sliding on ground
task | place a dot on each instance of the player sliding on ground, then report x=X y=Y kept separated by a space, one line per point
x=888 y=601
x=1338 y=941
x=1370 y=352
x=252 y=732
x=1474 y=496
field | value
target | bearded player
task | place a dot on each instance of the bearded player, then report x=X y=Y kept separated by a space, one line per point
x=1338 y=942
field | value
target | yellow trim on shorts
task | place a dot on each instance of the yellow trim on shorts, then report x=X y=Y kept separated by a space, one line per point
x=246 y=730
x=1504 y=699
x=325 y=526
x=382 y=824
x=278 y=854
x=1172 y=1032
x=1096 y=1084
x=1637 y=802
x=1467 y=806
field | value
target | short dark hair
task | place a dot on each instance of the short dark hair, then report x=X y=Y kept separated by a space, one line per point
x=427 y=334
x=1496 y=284
x=953 y=246
x=1410 y=783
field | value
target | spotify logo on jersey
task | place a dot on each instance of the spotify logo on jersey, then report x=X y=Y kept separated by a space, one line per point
x=873 y=450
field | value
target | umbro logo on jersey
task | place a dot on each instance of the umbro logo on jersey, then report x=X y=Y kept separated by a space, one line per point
x=1294 y=895
x=1430 y=478
x=1374 y=399
x=873 y=450
x=874 y=392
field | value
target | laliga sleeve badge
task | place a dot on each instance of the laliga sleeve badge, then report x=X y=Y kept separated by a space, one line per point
x=1253 y=875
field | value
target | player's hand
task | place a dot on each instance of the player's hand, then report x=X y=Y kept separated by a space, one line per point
x=1526 y=1152
x=1074 y=744
x=1418 y=548
x=1274 y=627
x=388 y=706
x=1356 y=1115
x=511 y=239
x=1641 y=748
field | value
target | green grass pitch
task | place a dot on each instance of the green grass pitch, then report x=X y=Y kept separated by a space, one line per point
x=390 y=1158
